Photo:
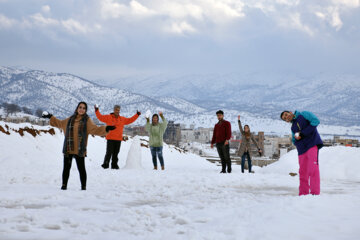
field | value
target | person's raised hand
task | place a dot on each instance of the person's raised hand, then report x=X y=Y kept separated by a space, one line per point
x=238 y=117
x=138 y=113
x=45 y=114
x=96 y=107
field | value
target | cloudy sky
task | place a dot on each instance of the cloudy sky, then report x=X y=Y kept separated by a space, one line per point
x=113 y=38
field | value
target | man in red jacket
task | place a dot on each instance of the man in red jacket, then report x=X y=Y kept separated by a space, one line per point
x=221 y=137
x=114 y=138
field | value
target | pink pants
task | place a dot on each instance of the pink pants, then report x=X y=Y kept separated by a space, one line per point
x=309 y=172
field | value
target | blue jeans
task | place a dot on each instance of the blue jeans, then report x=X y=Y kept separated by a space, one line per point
x=157 y=152
x=243 y=161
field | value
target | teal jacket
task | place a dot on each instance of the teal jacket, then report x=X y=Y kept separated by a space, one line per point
x=313 y=120
x=156 y=132
x=306 y=124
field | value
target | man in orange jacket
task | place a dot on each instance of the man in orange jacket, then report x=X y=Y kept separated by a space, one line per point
x=115 y=137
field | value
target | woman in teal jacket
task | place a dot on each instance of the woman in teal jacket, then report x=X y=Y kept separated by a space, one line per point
x=156 y=131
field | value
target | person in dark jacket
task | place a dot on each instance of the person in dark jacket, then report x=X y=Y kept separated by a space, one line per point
x=221 y=137
x=308 y=142
x=76 y=129
x=245 y=146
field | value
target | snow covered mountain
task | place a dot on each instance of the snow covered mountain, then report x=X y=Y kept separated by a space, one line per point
x=334 y=98
x=60 y=92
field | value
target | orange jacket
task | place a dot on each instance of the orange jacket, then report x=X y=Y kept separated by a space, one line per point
x=119 y=122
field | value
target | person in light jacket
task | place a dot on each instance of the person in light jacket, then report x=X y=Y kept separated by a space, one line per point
x=156 y=132
x=76 y=129
x=245 y=146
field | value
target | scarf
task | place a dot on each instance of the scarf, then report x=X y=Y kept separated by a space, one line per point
x=82 y=136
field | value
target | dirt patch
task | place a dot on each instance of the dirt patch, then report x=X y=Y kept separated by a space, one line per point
x=4 y=131
x=33 y=132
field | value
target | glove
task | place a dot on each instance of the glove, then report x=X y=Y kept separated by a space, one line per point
x=138 y=113
x=109 y=128
x=96 y=107
x=45 y=114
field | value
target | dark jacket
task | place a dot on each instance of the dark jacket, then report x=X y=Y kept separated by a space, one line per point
x=306 y=123
x=222 y=132
x=246 y=142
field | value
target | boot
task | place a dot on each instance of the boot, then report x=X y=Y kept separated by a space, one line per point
x=115 y=167
x=162 y=168
x=63 y=187
x=155 y=167
x=105 y=165
x=83 y=188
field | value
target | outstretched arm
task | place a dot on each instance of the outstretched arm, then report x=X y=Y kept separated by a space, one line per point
x=131 y=120
x=95 y=130
x=164 y=123
x=240 y=126
x=59 y=123
x=102 y=118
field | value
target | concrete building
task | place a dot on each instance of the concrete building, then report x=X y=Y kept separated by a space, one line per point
x=275 y=147
x=201 y=135
x=172 y=134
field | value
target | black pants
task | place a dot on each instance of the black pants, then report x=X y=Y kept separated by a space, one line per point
x=224 y=154
x=80 y=162
x=246 y=154
x=112 y=151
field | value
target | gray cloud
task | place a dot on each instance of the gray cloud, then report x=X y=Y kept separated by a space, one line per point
x=110 y=38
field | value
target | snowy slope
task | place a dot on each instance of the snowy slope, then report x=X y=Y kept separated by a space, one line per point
x=189 y=200
x=59 y=93
x=335 y=98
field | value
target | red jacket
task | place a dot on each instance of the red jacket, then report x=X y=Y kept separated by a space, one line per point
x=222 y=132
x=118 y=122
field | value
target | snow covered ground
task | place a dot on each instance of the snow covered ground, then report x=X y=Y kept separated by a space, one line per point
x=189 y=200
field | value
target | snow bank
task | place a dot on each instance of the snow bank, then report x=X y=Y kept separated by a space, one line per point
x=189 y=200
x=335 y=163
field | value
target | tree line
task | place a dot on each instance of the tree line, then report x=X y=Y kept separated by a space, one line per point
x=11 y=108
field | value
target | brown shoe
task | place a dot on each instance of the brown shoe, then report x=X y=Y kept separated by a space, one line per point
x=162 y=168
x=155 y=168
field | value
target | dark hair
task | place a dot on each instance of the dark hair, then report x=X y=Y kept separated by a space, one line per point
x=86 y=107
x=155 y=115
x=220 y=112
x=247 y=134
x=283 y=113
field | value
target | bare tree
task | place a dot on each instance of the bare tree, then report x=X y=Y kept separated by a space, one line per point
x=38 y=112
x=27 y=110
x=11 y=108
